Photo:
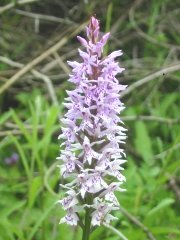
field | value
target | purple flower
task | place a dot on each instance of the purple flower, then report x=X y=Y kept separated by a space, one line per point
x=13 y=159
x=91 y=158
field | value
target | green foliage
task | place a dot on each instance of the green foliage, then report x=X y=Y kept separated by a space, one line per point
x=29 y=123
x=142 y=136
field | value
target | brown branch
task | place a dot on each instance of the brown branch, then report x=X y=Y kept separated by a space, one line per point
x=37 y=74
x=174 y=186
x=17 y=131
x=151 y=118
x=143 y=34
x=44 y=17
x=39 y=59
x=15 y=3
x=150 y=77
x=134 y=220
x=62 y=65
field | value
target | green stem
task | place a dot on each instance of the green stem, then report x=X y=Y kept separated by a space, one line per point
x=86 y=230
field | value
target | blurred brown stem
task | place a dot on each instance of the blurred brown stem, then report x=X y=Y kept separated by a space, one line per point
x=137 y=223
x=14 y=3
x=39 y=59
x=151 y=77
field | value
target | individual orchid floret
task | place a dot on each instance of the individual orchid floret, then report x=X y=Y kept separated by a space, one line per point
x=92 y=157
x=71 y=218
x=102 y=212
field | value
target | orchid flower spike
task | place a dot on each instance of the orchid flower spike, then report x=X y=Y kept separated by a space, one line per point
x=92 y=157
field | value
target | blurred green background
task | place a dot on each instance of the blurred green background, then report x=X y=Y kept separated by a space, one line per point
x=36 y=40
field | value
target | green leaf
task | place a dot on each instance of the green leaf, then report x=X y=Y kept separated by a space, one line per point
x=166 y=230
x=34 y=190
x=39 y=221
x=16 y=206
x=22 y=156
x=143 y=141
x=21 y=126
x=163 y=204
x=5 y=234
x=5 y=117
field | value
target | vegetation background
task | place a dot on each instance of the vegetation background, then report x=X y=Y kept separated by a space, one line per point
x=36 y=39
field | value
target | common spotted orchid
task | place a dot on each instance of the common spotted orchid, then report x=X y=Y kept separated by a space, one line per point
x=91 y=159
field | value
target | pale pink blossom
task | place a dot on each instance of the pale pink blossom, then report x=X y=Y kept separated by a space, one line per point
x=92 y=157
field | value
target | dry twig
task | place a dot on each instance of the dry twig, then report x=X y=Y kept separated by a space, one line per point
x=39 y=59
x=151 y=118
x=61 y=63
x=45 y=17
x=15 y=3
x=150 y=77
x=137 y=223
x=143 y=34
x=37 y=74
x=174 y=185
x=49 y=84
